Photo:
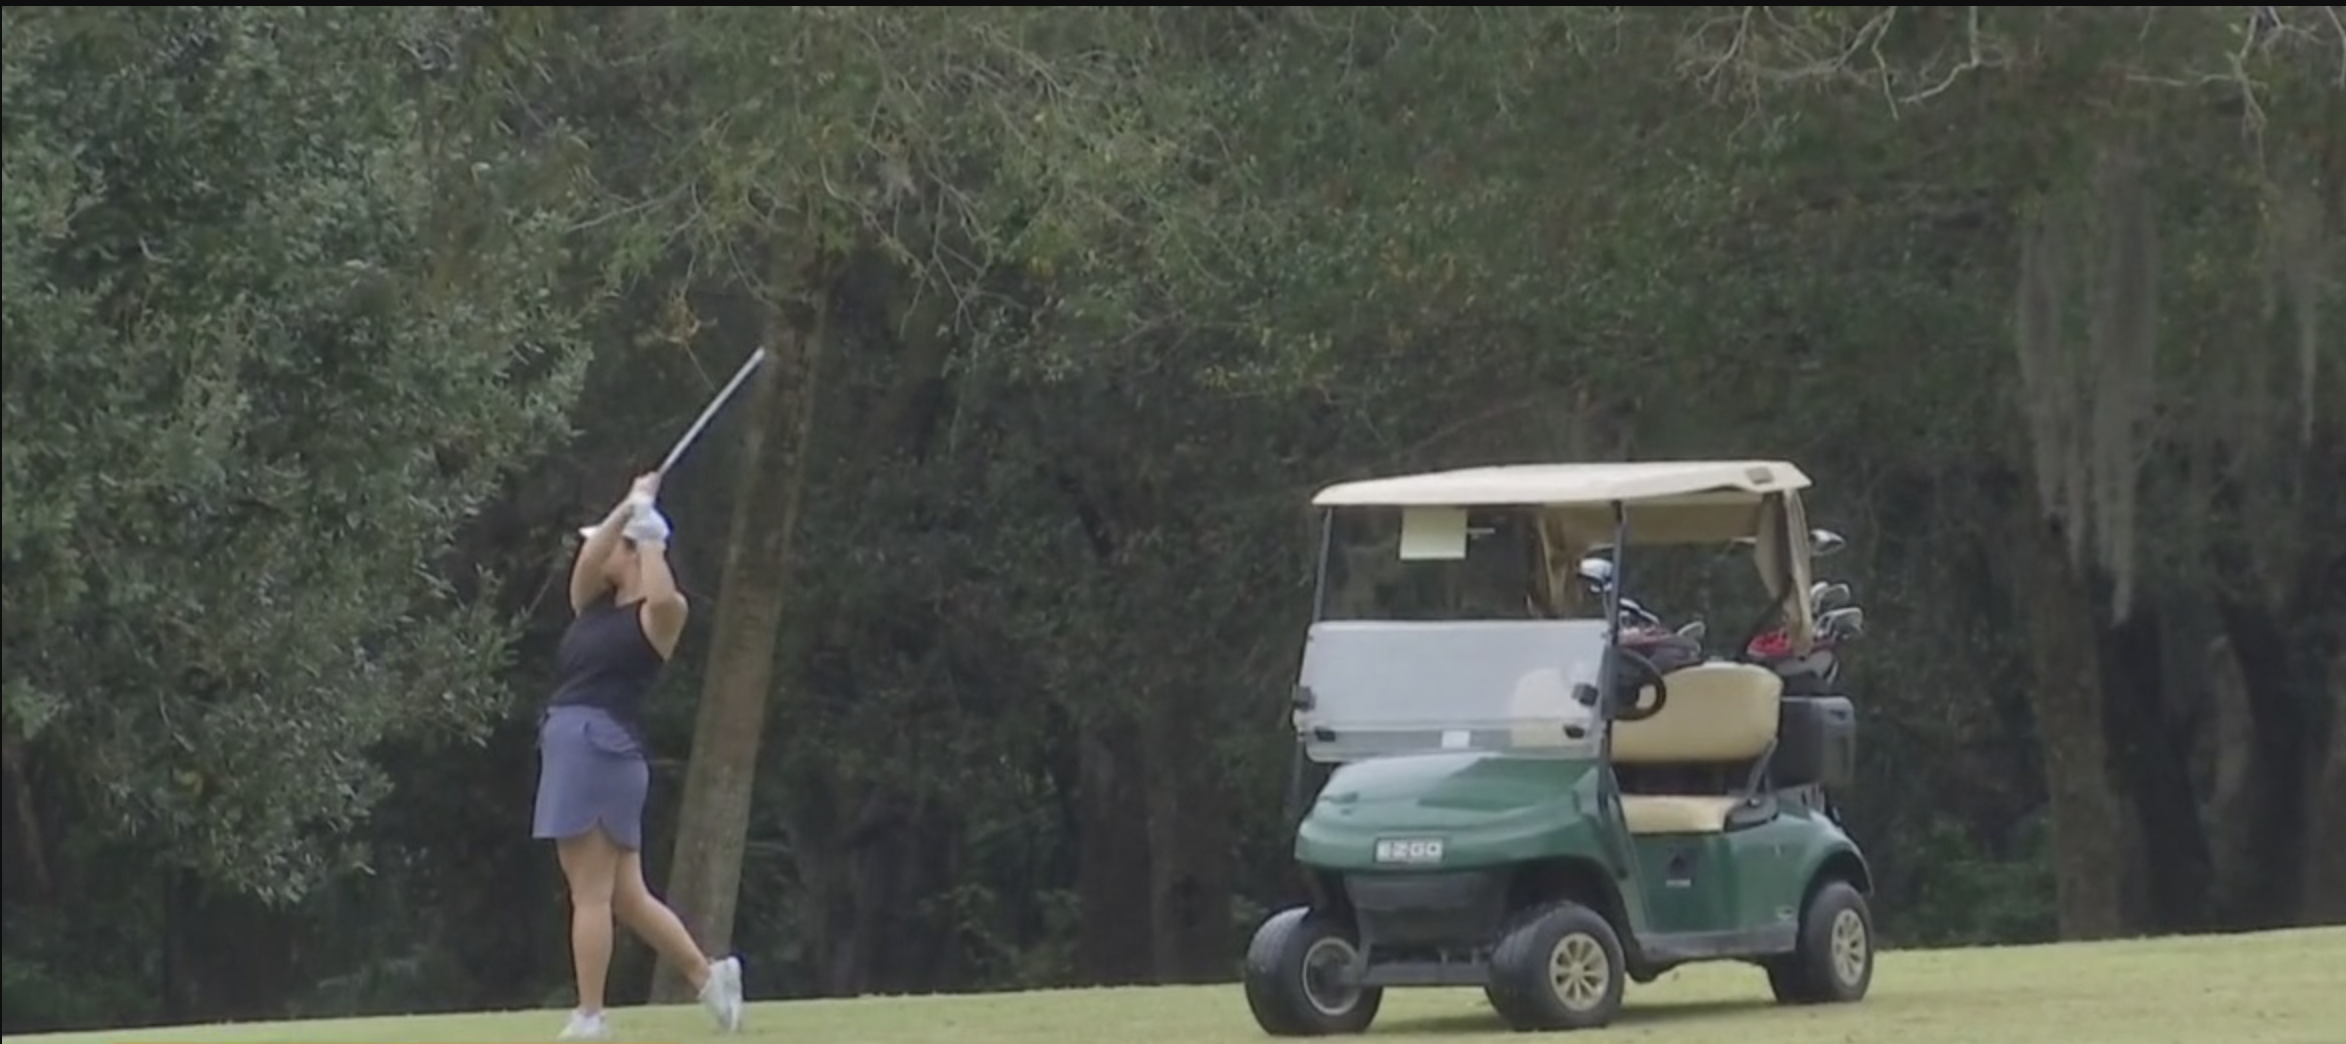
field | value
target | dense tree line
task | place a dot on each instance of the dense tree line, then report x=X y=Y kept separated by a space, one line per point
x=324 y=325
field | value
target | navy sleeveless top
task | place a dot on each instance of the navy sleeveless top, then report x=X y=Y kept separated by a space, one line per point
x=606 y=661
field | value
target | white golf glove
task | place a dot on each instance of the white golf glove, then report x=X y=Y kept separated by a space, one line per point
x=647 y=525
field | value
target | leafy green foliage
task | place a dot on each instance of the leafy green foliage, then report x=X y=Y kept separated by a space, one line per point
x=1100 y=295
x=275 y=329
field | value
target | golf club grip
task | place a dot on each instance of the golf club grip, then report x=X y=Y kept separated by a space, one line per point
x=708 y=413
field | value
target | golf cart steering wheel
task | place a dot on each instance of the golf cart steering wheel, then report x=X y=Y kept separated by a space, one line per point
x=1641 y=671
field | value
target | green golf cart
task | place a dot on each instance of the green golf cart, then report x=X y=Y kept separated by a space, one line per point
x=1520 y=799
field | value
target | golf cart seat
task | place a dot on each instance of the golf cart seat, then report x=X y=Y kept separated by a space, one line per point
x=1719 y=715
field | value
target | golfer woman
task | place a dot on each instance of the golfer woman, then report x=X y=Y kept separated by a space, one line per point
x=592 y=774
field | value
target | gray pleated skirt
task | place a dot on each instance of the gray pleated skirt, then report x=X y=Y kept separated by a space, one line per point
x=591 y=773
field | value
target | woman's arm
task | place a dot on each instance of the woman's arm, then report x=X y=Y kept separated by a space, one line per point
x=586 y=571
x=663 y=607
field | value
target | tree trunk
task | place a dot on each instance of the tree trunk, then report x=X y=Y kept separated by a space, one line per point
x=2283 y=763
x=28 y=879
x=881 y=947
x=860 y=897
x=705 y=880
x=201 y=927
x=1113 y=944
x=815 y=821
x=895 y=852
x=2325 y=865
x=2152 y=757
x=2226 y=751
x=2094 y=864
x=2287 y=634
x=1189 y=851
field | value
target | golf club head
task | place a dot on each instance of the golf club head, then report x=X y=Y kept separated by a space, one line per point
x=1634 y=610
x=1843 y=623
x=1693 y=630
x=1824 y=543
x=1825 y=596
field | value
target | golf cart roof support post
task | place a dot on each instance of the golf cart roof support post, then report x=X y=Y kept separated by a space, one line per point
x=1789 y=548
x=1297 y=754
x=1319 y=582
x=1609 y=678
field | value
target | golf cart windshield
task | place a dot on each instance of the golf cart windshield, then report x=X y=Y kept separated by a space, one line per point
x=1432 y=635
x=1375 y=687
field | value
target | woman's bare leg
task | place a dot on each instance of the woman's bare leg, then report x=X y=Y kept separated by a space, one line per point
x=591 y=864
x=652 y=921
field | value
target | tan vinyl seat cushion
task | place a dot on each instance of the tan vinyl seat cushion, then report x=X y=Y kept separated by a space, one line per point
x=1676 y=814
x=1719 y=712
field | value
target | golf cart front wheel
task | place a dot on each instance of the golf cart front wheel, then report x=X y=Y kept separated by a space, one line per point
x=1834 y=961
x=1303 y=977
x=1559 y=967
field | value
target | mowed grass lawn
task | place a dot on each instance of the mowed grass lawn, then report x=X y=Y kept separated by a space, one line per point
x=2271 y=988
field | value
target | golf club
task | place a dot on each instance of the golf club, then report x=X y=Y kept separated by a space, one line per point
x=685 y=441
x=1826 y=596
x=708 y=413
x=1845 y=622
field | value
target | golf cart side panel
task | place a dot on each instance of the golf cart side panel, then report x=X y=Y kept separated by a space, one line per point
x=1451 y=811
x=1733 y=893
x=1764 y=870
x=1833 y=853
x=1777 y=858
x=1689 y=883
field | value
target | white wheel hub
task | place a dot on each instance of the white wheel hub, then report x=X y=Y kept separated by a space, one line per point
x=1851 y=948
x=1580 y=972
x=1329 y=983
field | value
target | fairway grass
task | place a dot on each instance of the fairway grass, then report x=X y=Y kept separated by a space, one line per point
x=2269 y=988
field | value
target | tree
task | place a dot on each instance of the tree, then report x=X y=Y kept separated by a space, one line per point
x=2133 y=148
x=281 y=314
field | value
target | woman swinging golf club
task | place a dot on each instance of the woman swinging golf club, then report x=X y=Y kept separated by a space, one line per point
x=592 y=773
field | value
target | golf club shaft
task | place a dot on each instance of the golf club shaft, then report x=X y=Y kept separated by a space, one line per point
x=684 y=442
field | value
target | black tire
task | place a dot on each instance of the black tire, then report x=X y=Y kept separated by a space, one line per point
x=1496 y=989
x=1834 y=961
x=1558 y=967
x=1289 y=967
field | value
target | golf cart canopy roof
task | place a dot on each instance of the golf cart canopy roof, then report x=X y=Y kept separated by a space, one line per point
x=1689 y=483
x=1752 y=503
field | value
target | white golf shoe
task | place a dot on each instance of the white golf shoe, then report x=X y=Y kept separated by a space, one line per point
x=583 y=1026
x=721 y=995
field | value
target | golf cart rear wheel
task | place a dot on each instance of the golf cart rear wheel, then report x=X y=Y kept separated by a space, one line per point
x=1302 y=977
x=1559 y=967
x=1834 y=963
